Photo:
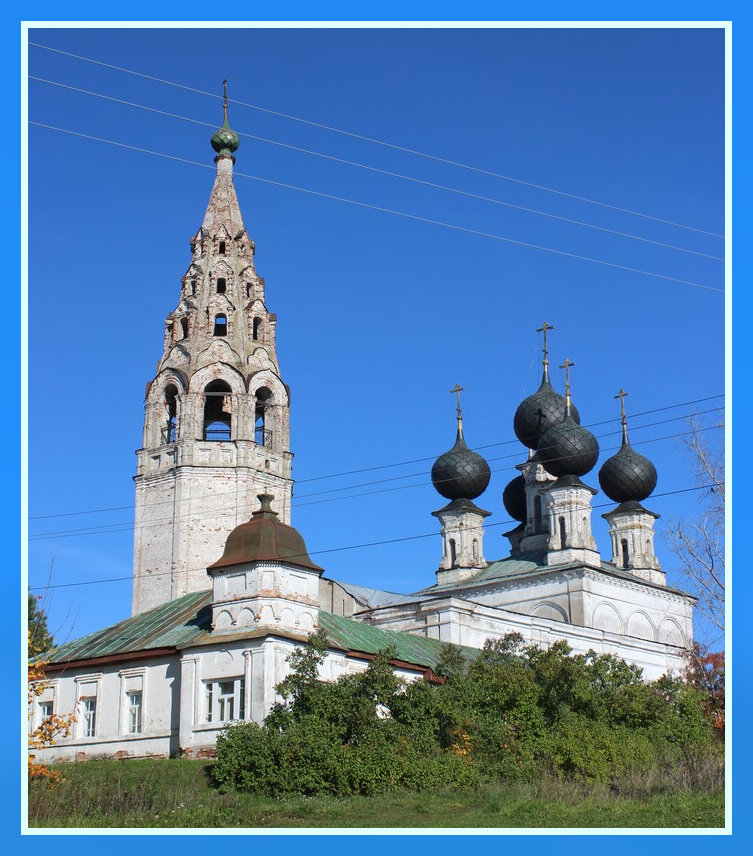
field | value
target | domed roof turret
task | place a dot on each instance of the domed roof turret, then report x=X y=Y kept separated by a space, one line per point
x=460 y=473
x=225 y=140
x=539 y=412
x=542 y=410
x=514 y=499
x=627 y=476
x=265 y=538
x=567 y=449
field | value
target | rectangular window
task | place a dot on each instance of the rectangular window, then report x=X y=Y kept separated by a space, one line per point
x=45 y=710
x=225 y=700
x=134 y=712
x=90 y=717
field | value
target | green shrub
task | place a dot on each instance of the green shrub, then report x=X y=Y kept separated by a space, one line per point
x=512 y=714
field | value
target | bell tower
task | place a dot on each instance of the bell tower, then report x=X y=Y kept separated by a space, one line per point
x=217 y=417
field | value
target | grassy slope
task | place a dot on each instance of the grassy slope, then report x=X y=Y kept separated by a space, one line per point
x=137 y=794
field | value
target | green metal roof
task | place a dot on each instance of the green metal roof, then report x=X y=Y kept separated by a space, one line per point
x=360 y=636
x=173 y=624
x=181 y=622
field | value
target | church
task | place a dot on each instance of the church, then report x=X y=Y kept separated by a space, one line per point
x=220 y=602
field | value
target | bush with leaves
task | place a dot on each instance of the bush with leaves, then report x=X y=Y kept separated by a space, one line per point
x=512 y=713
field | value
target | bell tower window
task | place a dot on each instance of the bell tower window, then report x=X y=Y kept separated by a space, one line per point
x=625 y=553
x=184 y=327
x=256 y=327
x=453 y=553
x=220 y=325
x=221 y=248
x=563 y=538
x=262 y=432
x=221 y=286
x=217 y=411
x=171 y=408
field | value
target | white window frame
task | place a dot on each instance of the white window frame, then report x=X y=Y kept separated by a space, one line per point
x=81 y=701
x=135 y=726
x=89 y=716
x=218 y=701
x=124 y=718
x=48 y=696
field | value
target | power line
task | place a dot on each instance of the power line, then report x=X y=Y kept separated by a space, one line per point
x=384 y=210
x=418 y=460
x=384 y=171
x=348 y=547
x=376 y=141
x=110 y=528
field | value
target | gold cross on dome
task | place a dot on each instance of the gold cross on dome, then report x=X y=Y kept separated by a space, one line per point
x=543 y=329
x=567 y=365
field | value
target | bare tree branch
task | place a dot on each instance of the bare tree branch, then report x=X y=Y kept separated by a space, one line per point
x=698 y=545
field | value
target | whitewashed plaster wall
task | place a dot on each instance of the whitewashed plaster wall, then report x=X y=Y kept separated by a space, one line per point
x=460 y=622
x=160 y=687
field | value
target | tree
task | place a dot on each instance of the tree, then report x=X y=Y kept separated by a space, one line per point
x=52 y=726
x=698 y=544
x=40 y=638
x=705 y=672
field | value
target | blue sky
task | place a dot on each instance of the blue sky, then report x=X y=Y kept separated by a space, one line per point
x=379 y=315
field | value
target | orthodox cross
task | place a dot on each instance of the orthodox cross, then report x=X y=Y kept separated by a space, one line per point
x=543 y=329
x=567 y=365
x=224 y=98
x=621 y=395
x=457 y=390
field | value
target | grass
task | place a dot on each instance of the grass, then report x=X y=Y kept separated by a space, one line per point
x=151 y=794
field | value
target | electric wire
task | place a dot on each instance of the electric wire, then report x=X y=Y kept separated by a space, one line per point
x=383 y=171
x=375 y=141
x=110 y=528
x=347 y=547
x=424 y=459
x=384 y=210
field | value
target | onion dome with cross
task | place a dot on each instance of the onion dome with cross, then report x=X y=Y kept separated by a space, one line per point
x=542 y=410
x=627 y=476
x=224 y=140
x=460 y=473
x=567 y=449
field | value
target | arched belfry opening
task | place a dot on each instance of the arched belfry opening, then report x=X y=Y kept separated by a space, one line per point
x=217 y=424
x=220 y=324
x=256 y=328
x=169 y=430
x=263 y=422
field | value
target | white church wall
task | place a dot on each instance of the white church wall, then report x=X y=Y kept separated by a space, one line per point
x=459 y=622
x=115 y=729
x=176 y=714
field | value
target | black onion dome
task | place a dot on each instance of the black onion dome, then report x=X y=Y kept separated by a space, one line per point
x=567 y=449
x=539 y=412
x=627 y=476
x=514 y=499
x=460 y=473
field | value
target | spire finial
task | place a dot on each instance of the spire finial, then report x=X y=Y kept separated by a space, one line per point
x=567 y=365
x=622 y=395
x=543 y=329
x=224 y=100
x=545 y=362
x=456 y=391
